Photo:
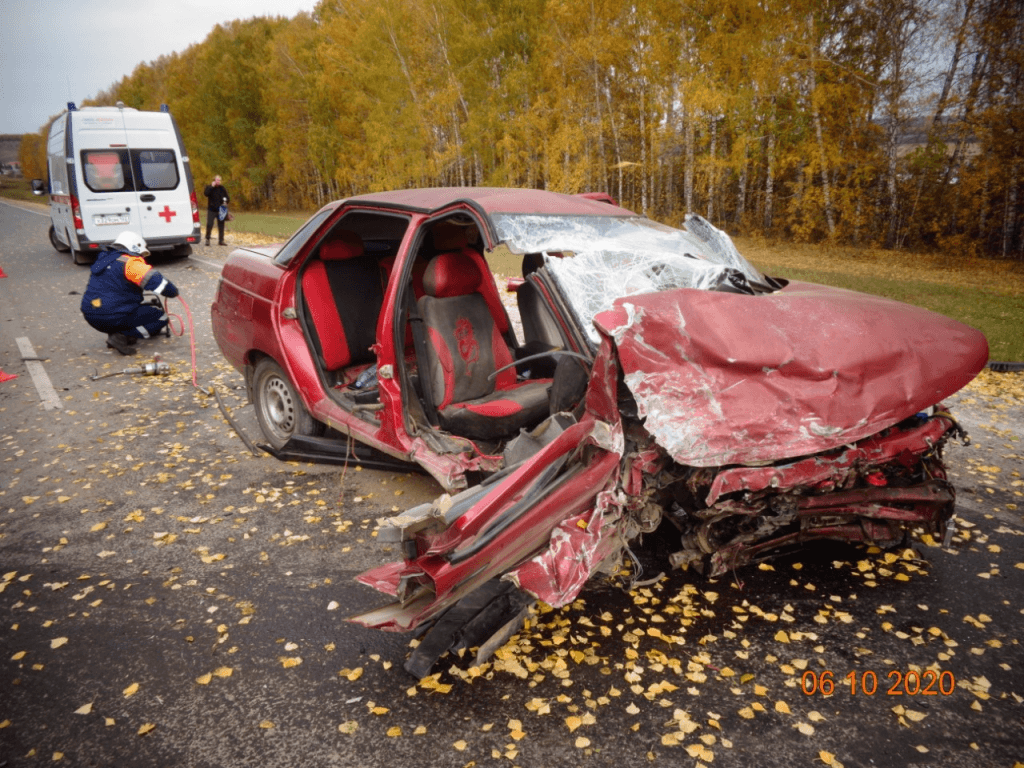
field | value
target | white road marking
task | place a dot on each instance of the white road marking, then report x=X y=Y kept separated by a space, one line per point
x=35 y=368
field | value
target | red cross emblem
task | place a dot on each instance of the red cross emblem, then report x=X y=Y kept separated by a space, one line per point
x=167 y=213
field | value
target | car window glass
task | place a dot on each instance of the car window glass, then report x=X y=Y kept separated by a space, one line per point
x=621 y=256
x=156 y=169
x=106 y=170
x=299 y=239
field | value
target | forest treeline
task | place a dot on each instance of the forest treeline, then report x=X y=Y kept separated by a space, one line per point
x=889 y=122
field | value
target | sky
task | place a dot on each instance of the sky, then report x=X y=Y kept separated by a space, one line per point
x=56 y=51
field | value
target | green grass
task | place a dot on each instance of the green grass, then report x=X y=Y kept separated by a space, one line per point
x=18 y=189
x=999 y=317
x=277 y=225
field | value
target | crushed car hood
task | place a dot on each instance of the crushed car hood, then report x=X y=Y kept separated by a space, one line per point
x=725 y=378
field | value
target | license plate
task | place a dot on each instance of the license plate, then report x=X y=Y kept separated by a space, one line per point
x=106 y=219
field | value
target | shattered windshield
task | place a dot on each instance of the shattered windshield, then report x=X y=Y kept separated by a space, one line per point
x=614 y=257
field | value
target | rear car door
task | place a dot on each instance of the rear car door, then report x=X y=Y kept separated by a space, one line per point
x=106 y=191
x=161 y=187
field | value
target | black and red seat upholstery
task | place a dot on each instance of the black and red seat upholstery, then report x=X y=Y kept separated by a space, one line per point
x=465 y=345
x=342 y=297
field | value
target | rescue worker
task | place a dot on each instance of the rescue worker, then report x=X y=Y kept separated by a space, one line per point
x=113 y=301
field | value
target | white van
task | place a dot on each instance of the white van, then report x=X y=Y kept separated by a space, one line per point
x=112 y=169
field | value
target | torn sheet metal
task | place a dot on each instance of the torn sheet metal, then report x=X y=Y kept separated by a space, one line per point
x=578 y=546
x=832 y=468
x=724 y=378
x=506 y=527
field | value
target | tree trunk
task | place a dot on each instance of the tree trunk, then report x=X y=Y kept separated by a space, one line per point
x=826 y=187
x=711 y=171
x=741 y=196
x=688 y=160
x=769 y=180
x=1010 y=211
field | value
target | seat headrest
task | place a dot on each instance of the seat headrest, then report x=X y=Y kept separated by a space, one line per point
x=342 y=244
x=451 y=274
x=449 y=237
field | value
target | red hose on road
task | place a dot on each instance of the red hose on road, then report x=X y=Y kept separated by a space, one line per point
x=181 y=332
x=209 y=390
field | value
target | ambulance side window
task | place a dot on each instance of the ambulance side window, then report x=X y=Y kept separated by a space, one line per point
x=54 y=178
x=155 y=168
x=106 y=170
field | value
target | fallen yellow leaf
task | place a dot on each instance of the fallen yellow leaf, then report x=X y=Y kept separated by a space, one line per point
x=146 y=728
x=352 y=674
x=131 y=690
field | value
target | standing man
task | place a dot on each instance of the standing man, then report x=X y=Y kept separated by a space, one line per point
x=113 y=303
x=216 y=196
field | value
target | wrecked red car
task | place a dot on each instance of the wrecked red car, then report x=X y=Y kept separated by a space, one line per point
x=659 y=378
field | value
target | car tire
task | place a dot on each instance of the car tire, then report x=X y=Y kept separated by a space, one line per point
x=57 y=244
x=279 y=409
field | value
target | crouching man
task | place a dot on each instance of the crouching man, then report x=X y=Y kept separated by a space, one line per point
x=113 y=301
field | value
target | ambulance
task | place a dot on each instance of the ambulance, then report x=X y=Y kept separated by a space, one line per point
x=112 y=169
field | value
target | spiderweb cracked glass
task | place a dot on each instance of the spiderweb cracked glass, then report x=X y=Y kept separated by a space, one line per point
x=615 y=257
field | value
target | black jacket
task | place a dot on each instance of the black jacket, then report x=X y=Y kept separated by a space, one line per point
x=215 y=197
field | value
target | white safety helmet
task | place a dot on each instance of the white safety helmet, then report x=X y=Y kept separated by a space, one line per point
x=132 y=243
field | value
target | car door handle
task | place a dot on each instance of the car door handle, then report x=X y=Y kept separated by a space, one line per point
x=147 y=198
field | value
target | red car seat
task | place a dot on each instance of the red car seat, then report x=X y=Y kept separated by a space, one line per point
x=342 y=295
x=465 y=346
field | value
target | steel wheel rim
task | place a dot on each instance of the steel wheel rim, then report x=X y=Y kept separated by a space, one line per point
x=278 y=407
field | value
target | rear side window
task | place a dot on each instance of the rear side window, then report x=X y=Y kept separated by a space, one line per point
x=107 y=170
x=155 y=168
x=111 y=170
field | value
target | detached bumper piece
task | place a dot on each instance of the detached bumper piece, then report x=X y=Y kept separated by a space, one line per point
x=484 y=620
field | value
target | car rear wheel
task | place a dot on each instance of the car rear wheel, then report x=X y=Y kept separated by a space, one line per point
x=57 y=244
x=279 y=410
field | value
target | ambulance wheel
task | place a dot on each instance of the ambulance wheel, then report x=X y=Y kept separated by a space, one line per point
x=57 y=244
x=279 y=410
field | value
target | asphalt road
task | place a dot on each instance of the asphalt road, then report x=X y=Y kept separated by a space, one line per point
x=168 y=599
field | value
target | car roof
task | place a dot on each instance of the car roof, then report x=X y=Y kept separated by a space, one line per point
x=492 y=200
